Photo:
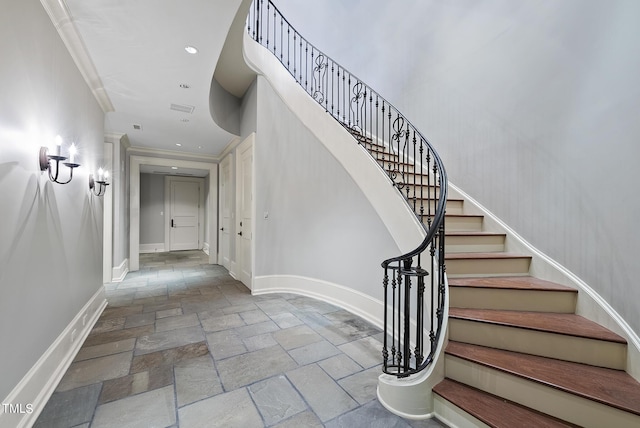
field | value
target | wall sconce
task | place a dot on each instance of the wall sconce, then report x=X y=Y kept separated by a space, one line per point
x=99 y=186
x=46 y=165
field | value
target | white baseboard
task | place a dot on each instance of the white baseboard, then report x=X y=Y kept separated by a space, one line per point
x=38 y=384
x=232 y=270
x=354 y=301
x=120 y=271
x=205 y=248
x=152 y=248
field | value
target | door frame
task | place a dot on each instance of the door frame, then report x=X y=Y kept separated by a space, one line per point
x=168 y=179
x=107 y=225
x=232 y=211
x=248 y=142
x=134 y=202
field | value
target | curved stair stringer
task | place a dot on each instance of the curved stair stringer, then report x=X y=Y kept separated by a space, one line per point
x=589 y=305
x=374 y=183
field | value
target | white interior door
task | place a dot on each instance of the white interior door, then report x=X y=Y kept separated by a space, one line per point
x=244 y=209
x=183 y=215
x=226 y=224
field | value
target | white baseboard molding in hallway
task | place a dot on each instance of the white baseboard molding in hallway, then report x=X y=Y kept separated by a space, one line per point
x=354 y=301
x=152 y=248
x=34 y=390
x=120 y=271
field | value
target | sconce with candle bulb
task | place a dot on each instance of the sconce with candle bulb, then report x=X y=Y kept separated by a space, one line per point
x=46 y=161
x=99 y=186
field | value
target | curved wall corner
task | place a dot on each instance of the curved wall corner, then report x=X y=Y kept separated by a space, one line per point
x=232 y=77
x=225 y=108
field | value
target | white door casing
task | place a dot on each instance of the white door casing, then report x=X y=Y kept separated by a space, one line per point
x=244 y=210
x=226 y=223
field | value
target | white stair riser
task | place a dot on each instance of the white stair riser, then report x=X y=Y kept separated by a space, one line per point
x=453 y=415
x=487 y=267
x=453 y=206
x=423 y=191
x=390 y=165
x=474 y=243
x=551 y=401
x=462 y=224
x=562 y=347
x=512 y=300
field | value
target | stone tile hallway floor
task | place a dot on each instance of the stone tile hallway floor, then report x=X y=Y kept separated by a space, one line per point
x=183 y=344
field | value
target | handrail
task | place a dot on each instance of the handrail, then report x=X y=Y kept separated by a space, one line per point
x=412 y=165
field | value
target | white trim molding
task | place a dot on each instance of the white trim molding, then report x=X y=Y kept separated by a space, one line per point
x=39 y=383
x=120 y=272
x=152 y=248
x=171 y=154
x=205 y=248
x=353 y=301
x=61 y=18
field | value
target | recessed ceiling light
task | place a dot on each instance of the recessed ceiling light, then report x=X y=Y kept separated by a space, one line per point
x=199 y=147
x=185 y=86
x=190 y=49
x=174 y=167
x=178 y=144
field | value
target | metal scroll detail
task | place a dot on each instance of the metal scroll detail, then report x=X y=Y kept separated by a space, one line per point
x=357 y=104
x=319 y=79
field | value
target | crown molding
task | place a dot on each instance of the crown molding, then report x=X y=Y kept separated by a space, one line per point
x=172 y=154
x=60 y=16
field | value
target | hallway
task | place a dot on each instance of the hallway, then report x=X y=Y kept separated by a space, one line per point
x=182 y=344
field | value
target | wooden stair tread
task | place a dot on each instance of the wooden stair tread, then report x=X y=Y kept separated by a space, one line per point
x=492 y=410
x=485 y=256
x=560 y=323
x=607 y=386
x=510 y=283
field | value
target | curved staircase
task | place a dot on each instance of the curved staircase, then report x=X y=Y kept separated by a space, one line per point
x=517 y=355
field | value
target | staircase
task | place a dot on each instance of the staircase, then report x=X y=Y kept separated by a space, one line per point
x=518 y=355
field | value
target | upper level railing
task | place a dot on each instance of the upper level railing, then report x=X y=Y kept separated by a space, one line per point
x=413 y=283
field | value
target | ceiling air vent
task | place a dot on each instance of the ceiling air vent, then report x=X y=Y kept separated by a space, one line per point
x=182 y=108
x=137 y=127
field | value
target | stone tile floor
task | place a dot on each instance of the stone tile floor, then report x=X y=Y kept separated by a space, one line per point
x=183 y=344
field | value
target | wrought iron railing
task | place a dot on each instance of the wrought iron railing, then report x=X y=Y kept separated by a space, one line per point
x=414 y=283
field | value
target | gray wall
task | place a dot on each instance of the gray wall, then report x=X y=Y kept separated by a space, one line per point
x=50 y=234
x=533 y=106
x=320 y=224
x=152 y=209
